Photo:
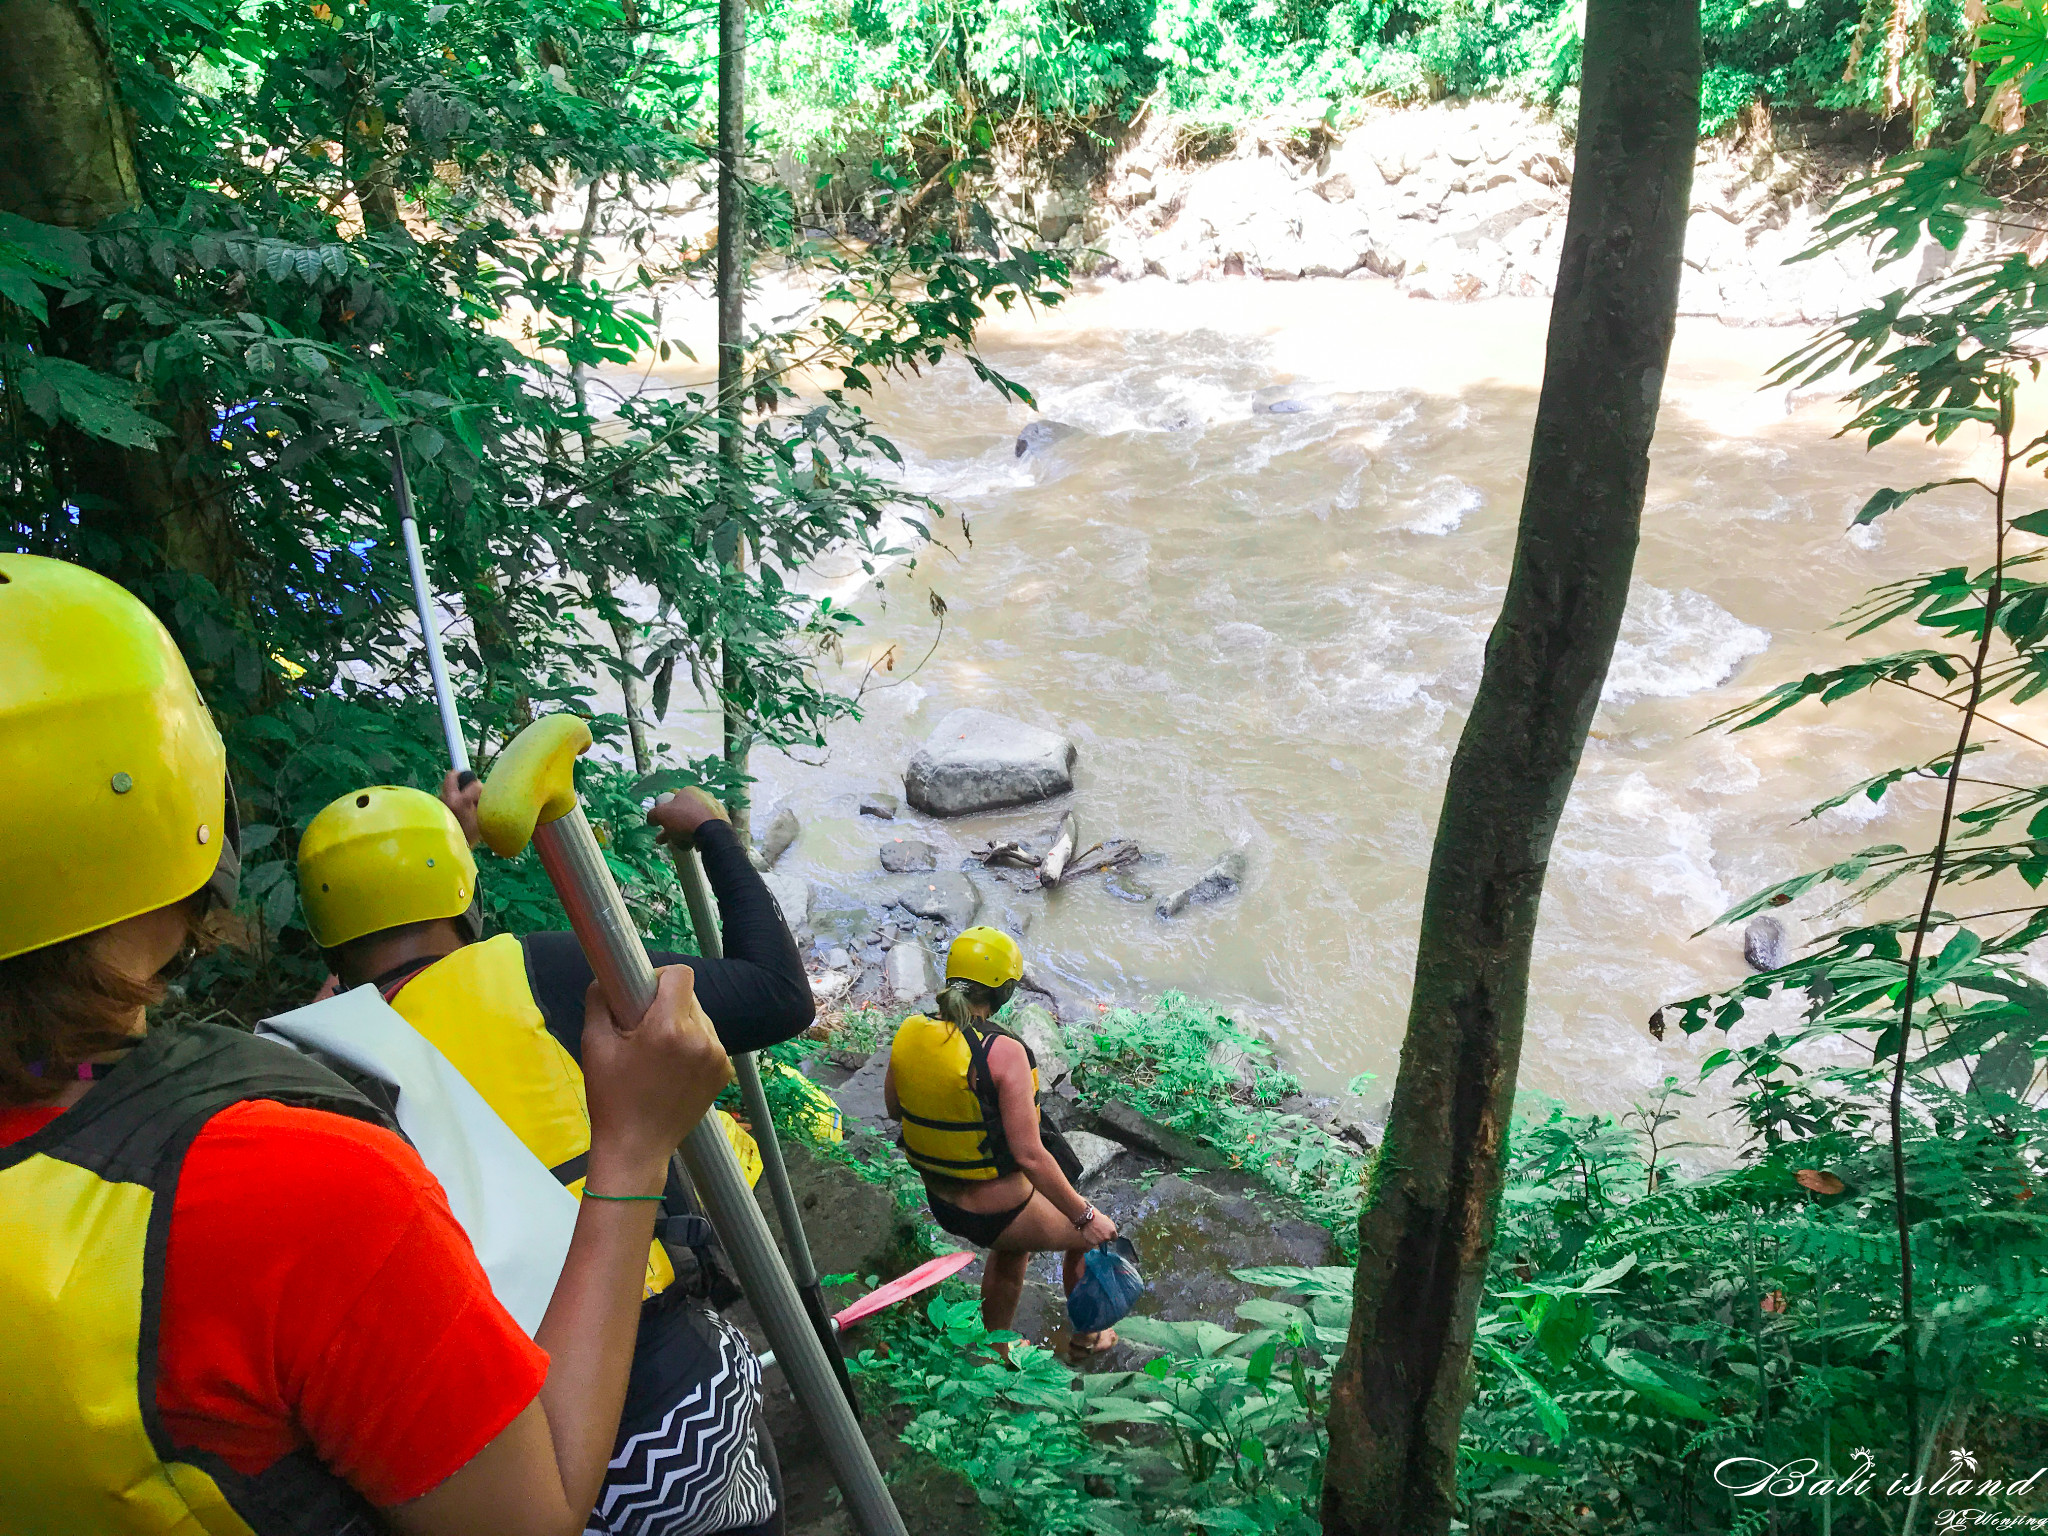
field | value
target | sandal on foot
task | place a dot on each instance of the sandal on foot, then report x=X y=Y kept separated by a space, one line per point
x=1098 y=1343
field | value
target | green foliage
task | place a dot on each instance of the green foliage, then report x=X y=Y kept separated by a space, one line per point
x=1637 y=1333
x=1186 y=1065
x=1640 y=1327
x=856 y=76
x=362 y=225
x=1219 y=1431
x=1886 y=1202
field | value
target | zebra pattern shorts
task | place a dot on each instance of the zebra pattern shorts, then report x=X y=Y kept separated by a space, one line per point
x=688 y=1460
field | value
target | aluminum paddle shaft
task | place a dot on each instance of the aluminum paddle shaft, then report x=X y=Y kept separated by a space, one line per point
x=423 y=601
x=531 y=796
x=803 y=1268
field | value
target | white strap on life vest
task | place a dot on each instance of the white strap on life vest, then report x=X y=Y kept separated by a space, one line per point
x=518 y=1216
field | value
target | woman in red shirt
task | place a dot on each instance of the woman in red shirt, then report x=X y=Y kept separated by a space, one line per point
x=230 y=1297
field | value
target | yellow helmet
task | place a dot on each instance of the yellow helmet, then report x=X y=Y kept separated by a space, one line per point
x=116 y=777
x=381 y=857
x=987 y=955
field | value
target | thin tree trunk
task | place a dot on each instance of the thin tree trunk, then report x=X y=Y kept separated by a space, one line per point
x=732 y=280
x=1426 y=1229
x=631 y=685
x=635 y=694
x=67 y=158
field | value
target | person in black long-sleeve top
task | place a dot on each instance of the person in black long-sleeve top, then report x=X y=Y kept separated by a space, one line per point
x=758 y=995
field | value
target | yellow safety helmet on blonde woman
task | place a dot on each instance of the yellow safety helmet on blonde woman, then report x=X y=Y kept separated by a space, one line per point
x=380 y=858
x=116 y=780
x=987 y=955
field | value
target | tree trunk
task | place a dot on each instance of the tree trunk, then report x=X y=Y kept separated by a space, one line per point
x=67 y=159
x=65 y=155
x=1426 y=1229
x=732 y=342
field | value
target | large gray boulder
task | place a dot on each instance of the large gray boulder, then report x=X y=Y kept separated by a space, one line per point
x=1096 y=1152
x=860 y=1097
x=978 y=761
x=774 y=843
x=792 y=893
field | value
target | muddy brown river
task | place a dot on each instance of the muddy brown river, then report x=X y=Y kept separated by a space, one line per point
x=1263 y=628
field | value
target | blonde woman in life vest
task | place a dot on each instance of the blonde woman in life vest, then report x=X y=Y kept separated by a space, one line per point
x=966 y=1092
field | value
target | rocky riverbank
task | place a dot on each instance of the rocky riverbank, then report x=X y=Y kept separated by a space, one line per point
x=967 y=842
x=1461 y=201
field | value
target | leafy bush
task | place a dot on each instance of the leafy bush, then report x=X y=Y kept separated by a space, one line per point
x=886 y=74
x=1221 y=1431
x=1195 y=1069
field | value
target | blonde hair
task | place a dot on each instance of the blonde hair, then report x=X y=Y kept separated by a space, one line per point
x=962 y=1003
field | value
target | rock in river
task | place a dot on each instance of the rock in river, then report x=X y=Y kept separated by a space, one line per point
x=782 y=831
x=1220 y=879
x=792 y=893
x=1764 y=943
x=978 y=761
x=945 y=897
x=910 y=972
x=906 y=855
x=1041 y=435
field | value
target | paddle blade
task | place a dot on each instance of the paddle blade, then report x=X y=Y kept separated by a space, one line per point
x=921 y=1278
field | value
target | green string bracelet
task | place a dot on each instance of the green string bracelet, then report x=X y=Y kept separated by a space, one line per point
x=591 y=1194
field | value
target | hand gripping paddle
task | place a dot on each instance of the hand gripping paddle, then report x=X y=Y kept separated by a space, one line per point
x=531 y=797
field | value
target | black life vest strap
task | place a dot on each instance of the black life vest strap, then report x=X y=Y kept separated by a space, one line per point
x=395 y=980
x=995 y=1142
x=942 y=1125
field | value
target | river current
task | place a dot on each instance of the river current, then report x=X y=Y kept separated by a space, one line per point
x=1263 y=629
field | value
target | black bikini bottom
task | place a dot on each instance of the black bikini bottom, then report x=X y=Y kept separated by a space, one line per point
x=980 y=1228
x=983 y=1228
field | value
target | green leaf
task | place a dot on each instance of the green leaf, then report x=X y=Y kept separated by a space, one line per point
x=1643 y=1376
x=279 y=905
x=1600 y=1280
x=22 y=290
x=1320 y=1280
x=1889 y=500
x=1259 y=1369
x=98 y=404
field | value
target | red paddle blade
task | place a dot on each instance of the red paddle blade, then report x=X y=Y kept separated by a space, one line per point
x=921 y=1278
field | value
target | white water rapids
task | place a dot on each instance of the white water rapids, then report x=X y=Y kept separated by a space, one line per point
x=1265 y=628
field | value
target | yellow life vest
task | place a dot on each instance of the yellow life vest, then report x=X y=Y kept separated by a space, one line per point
x=85 y=1204
x=952 y=1125
x=477 y=1008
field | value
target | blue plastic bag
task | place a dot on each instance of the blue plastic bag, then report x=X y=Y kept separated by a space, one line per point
x=1110 y=1286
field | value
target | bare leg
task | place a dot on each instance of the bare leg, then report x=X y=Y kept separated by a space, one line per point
x=1040 y=1228
x=1002 y=1287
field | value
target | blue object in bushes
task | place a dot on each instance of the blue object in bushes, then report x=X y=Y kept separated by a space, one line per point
x=1110 y=1286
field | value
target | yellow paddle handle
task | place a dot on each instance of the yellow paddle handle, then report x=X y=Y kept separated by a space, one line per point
x=532 y=783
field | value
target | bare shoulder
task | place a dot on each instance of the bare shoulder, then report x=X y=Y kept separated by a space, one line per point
x=1006 y=1055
